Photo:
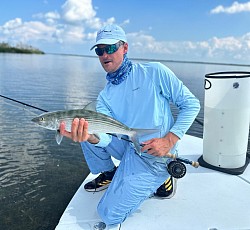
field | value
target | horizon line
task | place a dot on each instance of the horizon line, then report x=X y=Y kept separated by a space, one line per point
x=161 y=60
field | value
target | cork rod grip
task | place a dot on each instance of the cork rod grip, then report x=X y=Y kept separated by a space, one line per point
x=187 y=161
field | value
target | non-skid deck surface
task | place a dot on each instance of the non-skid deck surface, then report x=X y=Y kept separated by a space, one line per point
x=205 y=199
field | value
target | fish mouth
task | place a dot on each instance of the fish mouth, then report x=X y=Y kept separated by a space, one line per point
x=35 y=119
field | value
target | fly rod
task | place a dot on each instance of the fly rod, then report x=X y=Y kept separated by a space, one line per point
x=22 y=103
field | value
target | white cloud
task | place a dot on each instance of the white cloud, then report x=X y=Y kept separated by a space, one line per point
x=17 y=31
x=75 y=11
x=67 y=26
x=125 y=23
x=78 y=23
x=70 y=35
x=50 y=17
x=236 y=7
x=142 y=43
x=12 y=24
x=228 y=49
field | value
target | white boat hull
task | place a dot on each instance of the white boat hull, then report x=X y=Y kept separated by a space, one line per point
x=205 y=199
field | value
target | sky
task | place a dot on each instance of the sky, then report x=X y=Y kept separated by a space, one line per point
x=183 y=30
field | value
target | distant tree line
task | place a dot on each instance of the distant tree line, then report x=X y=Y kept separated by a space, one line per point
x=20 y=48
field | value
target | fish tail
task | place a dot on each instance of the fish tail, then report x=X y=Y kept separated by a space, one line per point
x=135 y=140
x=140 y=132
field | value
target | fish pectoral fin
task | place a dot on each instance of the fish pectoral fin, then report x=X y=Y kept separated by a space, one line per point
x=59 y=137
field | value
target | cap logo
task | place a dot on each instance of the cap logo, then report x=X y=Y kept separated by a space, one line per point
x=109 y=35
x=105 y=31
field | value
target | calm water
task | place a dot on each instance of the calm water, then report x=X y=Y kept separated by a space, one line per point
x=37 y=177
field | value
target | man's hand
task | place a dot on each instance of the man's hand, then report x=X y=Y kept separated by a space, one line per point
x=160 y=147
x=79 y=131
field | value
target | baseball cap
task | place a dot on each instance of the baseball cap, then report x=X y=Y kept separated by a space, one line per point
x=110 y=34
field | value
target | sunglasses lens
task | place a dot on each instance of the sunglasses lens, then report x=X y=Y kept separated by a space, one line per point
x=111 y=49
x=99 y=51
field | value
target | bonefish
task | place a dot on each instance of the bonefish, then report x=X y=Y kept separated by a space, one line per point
x=98 y=123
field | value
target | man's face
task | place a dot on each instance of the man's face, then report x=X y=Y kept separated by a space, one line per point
x=111 y=62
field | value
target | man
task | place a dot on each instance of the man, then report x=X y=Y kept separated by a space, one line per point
x=138 y=95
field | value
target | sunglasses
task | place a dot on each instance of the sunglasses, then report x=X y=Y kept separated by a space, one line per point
x=109 y=49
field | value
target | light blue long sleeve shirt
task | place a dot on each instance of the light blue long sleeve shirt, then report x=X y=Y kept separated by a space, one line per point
x=143 y=101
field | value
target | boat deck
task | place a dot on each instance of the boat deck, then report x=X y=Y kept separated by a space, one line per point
x=205 y=199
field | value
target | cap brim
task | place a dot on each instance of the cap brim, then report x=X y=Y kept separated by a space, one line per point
x=105 y=42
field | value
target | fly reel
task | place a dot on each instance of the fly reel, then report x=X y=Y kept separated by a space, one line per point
x=176 y=169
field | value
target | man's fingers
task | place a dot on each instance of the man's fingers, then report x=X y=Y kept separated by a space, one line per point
x=62 y=128
x=148 y=142
x=80 y=130
x=85 y=131
x=64 y=132
x=74 y=129
x=145 y=148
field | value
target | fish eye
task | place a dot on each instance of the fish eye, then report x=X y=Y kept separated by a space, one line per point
x=42 y=119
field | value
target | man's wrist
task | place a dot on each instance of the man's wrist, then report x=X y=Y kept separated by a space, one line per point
x=172 y=138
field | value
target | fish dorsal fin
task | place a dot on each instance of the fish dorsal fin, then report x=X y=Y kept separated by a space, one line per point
x=91 y=106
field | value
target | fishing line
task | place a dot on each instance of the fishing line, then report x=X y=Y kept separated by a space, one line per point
x=19 y=107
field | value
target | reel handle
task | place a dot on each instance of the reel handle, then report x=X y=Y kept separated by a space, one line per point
x=184 y=160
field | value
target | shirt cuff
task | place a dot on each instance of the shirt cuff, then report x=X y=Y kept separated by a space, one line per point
x=104 y=140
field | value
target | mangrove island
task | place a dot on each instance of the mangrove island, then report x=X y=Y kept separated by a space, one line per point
x=23 y=49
